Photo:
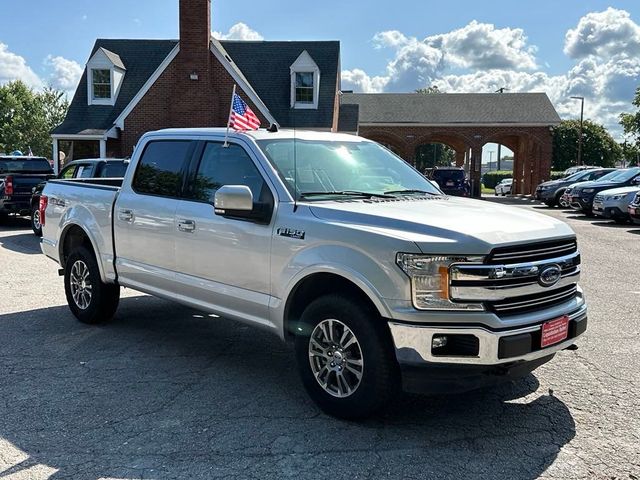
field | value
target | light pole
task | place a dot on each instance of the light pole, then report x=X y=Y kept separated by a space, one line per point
x=580 y=136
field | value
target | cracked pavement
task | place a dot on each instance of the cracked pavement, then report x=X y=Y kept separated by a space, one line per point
x=164 y=391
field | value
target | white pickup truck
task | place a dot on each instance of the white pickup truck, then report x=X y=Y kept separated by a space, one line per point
x=333 y=243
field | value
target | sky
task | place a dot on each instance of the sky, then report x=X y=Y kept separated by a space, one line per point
x=565 y=48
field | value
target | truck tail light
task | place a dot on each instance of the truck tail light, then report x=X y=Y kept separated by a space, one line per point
x=8 y=185
x=44 y=201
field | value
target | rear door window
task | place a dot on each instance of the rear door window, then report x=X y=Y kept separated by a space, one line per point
x=161 y=168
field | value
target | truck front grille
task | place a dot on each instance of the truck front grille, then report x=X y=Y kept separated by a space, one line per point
x=537 y=301
x=533 y=252
x=515 y=279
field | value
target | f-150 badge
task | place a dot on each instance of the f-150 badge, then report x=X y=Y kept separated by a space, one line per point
x=291 y=233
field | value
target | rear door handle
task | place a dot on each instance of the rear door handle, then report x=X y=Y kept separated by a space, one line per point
x=125 y=215
x=186 y=225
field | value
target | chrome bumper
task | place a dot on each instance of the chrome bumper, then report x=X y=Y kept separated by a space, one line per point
x=413 y=343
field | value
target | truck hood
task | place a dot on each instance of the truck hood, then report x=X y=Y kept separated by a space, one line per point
x=444 y=224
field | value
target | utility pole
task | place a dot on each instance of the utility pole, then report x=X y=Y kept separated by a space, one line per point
x=579 y=162
x=499 y=148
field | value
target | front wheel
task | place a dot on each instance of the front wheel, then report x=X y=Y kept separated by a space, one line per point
x=345 y=357
x=90 y=300
x=35 y=222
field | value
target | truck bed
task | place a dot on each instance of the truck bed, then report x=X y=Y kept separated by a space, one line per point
x=89 y=199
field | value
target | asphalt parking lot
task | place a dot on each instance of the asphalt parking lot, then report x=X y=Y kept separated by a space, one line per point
x=168 y=392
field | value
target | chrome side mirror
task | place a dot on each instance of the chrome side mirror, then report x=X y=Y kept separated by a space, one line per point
x=233 y=198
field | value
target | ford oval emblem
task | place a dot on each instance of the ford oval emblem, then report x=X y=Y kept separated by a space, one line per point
x=549 y=275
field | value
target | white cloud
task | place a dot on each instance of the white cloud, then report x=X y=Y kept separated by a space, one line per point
x=65 y=73
x=482 y=58
x=14 y=67
x=239 y=31
x=483 y=46
x=603 y=34
x=359 y=81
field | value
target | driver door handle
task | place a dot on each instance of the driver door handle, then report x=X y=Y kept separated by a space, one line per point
x=186 y=225
x=125 y=215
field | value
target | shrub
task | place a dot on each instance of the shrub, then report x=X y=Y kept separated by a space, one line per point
x=491 y=179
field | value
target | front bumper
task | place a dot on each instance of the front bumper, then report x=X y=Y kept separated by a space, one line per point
x=603 y=210
x=582 y=204
x=634 y=212
x=500 y=355
x=545 y=195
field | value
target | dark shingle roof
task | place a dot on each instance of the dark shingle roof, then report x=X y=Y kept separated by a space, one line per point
x=266 y=67
x=141 y=57
x=453 y=108
x=348 y=118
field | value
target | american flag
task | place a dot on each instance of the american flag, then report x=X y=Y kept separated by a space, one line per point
x=242 y=117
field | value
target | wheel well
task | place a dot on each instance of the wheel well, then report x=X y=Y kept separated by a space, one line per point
x=74 y=237
x=315 y=286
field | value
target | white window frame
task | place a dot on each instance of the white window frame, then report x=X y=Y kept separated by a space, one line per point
x=305 y=64
x=101 y=101
x=100 y=61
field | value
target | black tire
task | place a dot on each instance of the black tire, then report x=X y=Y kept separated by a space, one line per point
x=3 y=217
x=35 y=222
x=620 y=220
x=550 y=203
x=380 y=376
x=103 y=298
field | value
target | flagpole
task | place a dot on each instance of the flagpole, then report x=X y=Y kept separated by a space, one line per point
x=226 y=135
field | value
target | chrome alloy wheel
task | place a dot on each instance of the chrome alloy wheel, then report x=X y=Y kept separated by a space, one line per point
x=336 y=358
x=80 y=285
x=35 y=219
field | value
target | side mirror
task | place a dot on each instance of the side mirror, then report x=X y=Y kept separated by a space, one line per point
x=230 y=199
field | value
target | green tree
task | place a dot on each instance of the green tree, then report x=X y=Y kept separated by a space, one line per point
x=27 y=117
x=434 y=155
x=598 y=146
x=431 y=89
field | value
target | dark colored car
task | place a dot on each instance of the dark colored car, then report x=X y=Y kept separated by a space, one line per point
x=582 y=195
x=18 y=176
x=451 y=180
x=551 y=191
x=87 y=168
x=634 y=209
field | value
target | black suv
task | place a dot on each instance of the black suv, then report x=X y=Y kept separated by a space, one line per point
x=582 y=195
x=451 y=180
x=551 y=191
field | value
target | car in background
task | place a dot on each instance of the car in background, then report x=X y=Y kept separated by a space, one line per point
x=614 y=204
x=504 y=187
x=551 y=192
x=634 y=209
x=85 y=168
x=451 y=180
x=579 y=168
x=583 y=194
x=18 y=175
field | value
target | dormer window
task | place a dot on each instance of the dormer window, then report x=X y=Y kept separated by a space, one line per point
x=105 y=73
x=101 y=84
x=305 y=82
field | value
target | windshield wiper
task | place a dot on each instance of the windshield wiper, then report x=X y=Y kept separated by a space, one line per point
x=351 y=193
x=410 y=192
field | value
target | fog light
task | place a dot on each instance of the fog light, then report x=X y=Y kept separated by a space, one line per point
x=439 y=341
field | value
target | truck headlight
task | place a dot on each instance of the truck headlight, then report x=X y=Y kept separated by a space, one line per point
x=588 y=190
x=616 y=197
x=429 y=275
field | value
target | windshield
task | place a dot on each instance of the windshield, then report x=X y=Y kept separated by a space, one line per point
x=624 y=175
x=25 y=165
x=576 y=176
x=340 y=168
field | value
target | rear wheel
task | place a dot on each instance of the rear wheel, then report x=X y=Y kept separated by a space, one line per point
x=620 y=220
x=345 y=357
x=35 y=222
x=90 y=300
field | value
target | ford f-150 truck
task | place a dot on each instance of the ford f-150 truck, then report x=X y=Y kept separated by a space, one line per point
x=333 y=243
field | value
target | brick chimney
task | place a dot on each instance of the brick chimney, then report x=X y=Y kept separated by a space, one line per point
x=191 y=98
x=195 y=27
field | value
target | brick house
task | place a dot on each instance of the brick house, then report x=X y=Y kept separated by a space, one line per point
x=129 y=87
